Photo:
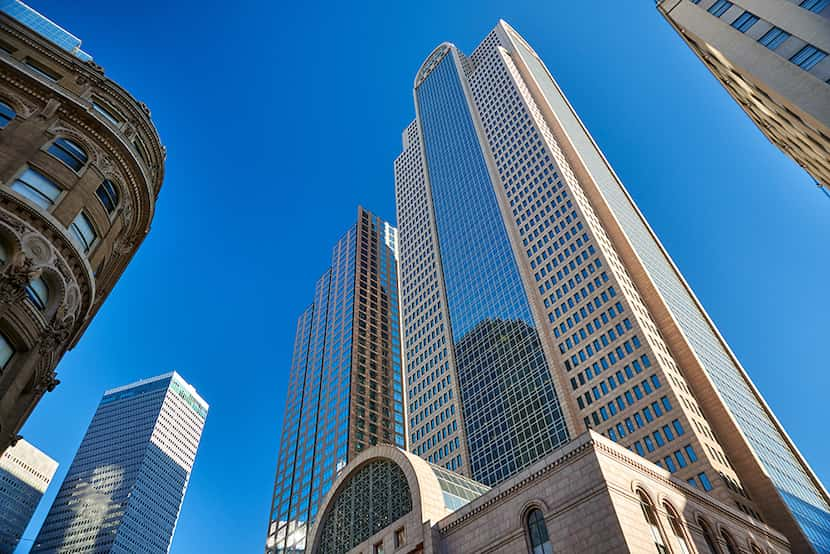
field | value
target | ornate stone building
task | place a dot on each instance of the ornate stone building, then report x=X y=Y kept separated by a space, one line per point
x=81 y=165
x=591 y=495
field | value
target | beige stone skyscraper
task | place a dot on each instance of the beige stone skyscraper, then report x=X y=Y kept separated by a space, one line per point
x=771 y=56
x=536 y=301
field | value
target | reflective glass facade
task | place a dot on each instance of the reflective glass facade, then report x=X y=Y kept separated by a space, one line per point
x=125 y=487
x=345 y=385
x=511 y=411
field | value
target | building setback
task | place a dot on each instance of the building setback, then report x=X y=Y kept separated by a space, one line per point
x=25 y=474
x=771 y=56
x=125 y=487
x=537 y=302
x=345 y=389
x=81 y=166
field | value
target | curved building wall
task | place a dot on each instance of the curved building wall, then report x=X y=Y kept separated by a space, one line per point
x=81 y=165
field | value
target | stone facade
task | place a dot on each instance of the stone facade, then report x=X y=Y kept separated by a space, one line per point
x=589 y=493
x=72 y=128
x=771 y=57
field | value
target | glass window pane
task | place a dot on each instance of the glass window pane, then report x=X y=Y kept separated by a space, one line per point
x=37 y=188
x=83 y=232
x=6 y=351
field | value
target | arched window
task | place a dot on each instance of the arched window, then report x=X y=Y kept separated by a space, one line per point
x=4 y=253
x=69 y=152
x=677 y=529
x=654 y=525
x=7 y=113
x=108 y=195
x=6 y=351
x=708 y=537
x=731 y=547
x=38 y=292
x=537 y=533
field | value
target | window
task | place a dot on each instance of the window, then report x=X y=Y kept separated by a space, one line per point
x=68 y=152
x=731 y=547
x=37 y=188
x=677 y=529
x=718 y=8
x=82 y=232
x=808 y=57
x=6 y=351
x=537 y=533
x=38 y=292
x=654 y=526
x=377 y=548
x=708 y=537
x=745 y=21
x=7 y=113
x=400 y=537
x=108 y=195
x=773 y=38
x=42 y=70
x=106 y=112
x=704 y=480
x=814 y=5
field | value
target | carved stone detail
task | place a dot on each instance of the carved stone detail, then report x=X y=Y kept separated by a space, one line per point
x=50 y=109
x=15 y=274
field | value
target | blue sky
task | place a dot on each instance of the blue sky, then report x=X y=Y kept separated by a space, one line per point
x=280 y=117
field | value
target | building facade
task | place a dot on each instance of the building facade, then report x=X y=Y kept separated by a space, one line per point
x=81 y=166
x=125 y=487
x=345 y=389
x=589 y=496
x=537 y=302
x=25 y=474
x=771 y=56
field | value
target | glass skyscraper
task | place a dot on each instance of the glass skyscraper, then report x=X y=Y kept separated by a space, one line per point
x=125 y=487
x=537 y=302
x=25 y=474
x=345 y=389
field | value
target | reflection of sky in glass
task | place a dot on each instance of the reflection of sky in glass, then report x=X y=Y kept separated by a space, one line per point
x=511 y=411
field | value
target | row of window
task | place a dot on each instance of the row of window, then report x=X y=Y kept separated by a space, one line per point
x=806 y=58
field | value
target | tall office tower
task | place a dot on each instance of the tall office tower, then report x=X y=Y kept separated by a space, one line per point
x=25 y=474
x=81 y=166
x=536 y=301
x=345 y=389
x=125 y=487
x=771 y=56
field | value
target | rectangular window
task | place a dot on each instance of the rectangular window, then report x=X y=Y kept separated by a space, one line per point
x=670 y=464
x=42 y=70
x=815 y=6
x=745 y=21
x=378 y=548
x=808 y=57
x=6 y=351
x=37 y=188
x=681 y=459
x=678 y=428
x=718 y=8
x=773 y=38
x=106 y=112
x=690 y=452
x=707 y=485
x=639 y=448
x=400 y=537
x=83 y=232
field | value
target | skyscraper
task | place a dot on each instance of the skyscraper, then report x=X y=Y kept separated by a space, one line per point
x=536 y=301
x=345 y=388
x=81 y=166
x=25 y=474
x=771 y=56
x=125 y=487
